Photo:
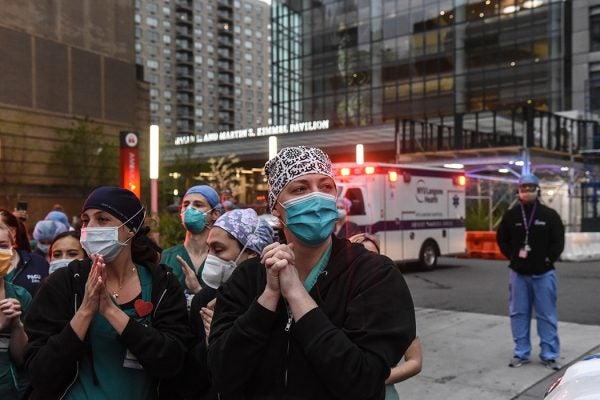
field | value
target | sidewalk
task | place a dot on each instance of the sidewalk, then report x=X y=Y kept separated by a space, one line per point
x=466 y=355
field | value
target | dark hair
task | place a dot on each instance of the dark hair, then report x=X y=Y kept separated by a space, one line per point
x=74 y=234
x=143 y=248
x=21 y=237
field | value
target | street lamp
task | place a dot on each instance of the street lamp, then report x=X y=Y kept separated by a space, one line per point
x=154 y=142
x=272 y=146
x=360 y=154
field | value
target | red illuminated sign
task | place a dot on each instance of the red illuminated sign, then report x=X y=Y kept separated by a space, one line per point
x=130 y=162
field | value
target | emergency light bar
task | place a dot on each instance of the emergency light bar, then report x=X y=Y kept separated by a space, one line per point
x=392 y=173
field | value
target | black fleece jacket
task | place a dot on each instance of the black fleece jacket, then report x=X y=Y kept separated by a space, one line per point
x=546 y=238
x=343 y=349
x=54 y=349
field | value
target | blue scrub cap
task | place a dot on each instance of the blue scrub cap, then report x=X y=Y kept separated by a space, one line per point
x=209 y=194
x=529 y=179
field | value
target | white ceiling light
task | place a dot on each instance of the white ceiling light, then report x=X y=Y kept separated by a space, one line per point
x=510 y=9
x=454 y=166
x=532 y=3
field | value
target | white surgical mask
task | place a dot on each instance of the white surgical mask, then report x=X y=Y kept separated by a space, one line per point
x=216 y=271
x=104 y=240
x=60 y=263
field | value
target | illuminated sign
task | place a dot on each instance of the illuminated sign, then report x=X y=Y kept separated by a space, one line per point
x=251 y=132
x=130 y=162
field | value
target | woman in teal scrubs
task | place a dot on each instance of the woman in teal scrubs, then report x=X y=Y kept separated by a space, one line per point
x=111 y=326
x=14 y=301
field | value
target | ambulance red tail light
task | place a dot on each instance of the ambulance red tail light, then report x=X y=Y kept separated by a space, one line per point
x=392 y=176
x=460 y=180
x=370 y=170
x=345 y=172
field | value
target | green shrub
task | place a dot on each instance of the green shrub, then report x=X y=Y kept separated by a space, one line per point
x=170 y=230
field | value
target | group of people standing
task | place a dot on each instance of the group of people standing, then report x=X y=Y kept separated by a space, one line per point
x=230 y=313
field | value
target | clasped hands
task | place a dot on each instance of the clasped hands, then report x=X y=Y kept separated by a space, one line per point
x=97 y=298
x=10 y=314
x=282 y=275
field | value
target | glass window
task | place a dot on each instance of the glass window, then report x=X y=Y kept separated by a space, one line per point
x=595 y=91
x=151 y=21
x=355 y=196
x=595 y=31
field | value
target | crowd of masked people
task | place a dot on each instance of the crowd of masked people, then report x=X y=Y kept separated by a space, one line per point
x=102 y=312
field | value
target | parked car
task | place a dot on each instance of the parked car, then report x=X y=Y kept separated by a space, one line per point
x=581 y=381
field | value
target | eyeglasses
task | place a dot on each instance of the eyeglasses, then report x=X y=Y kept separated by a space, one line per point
x=527 y=188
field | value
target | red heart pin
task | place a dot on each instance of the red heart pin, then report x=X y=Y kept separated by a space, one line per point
x=142 y=307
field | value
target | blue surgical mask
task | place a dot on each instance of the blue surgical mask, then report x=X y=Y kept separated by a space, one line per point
x=194 y=220
x=311 y=218
x=43 y=248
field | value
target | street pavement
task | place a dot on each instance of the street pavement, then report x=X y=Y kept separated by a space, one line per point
x=466 y=355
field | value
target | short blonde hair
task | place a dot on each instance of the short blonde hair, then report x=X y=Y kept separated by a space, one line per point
x=362 y=237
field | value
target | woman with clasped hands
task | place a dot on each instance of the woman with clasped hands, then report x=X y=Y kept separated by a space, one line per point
x=113 y=326
x=316 y=318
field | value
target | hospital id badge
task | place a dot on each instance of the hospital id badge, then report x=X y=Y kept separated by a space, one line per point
x=131 y=361
x=523 y=252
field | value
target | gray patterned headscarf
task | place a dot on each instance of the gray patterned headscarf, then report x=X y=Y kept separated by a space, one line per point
x=246 y=227
x=292 y=162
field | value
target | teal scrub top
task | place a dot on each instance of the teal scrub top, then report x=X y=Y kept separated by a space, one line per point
x=13 y=380
x=119 y=375
x=168 y=258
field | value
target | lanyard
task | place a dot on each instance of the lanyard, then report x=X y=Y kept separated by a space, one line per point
x=527 y=224
x=312 y=277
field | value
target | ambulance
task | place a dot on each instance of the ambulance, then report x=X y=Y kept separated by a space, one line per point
x=417 y=213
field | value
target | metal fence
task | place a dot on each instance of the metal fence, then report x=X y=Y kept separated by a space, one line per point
x=523 y=126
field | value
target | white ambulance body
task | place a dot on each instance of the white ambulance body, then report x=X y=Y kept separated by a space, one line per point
x=417 y=213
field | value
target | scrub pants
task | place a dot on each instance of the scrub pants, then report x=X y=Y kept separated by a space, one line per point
x=526 y=292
